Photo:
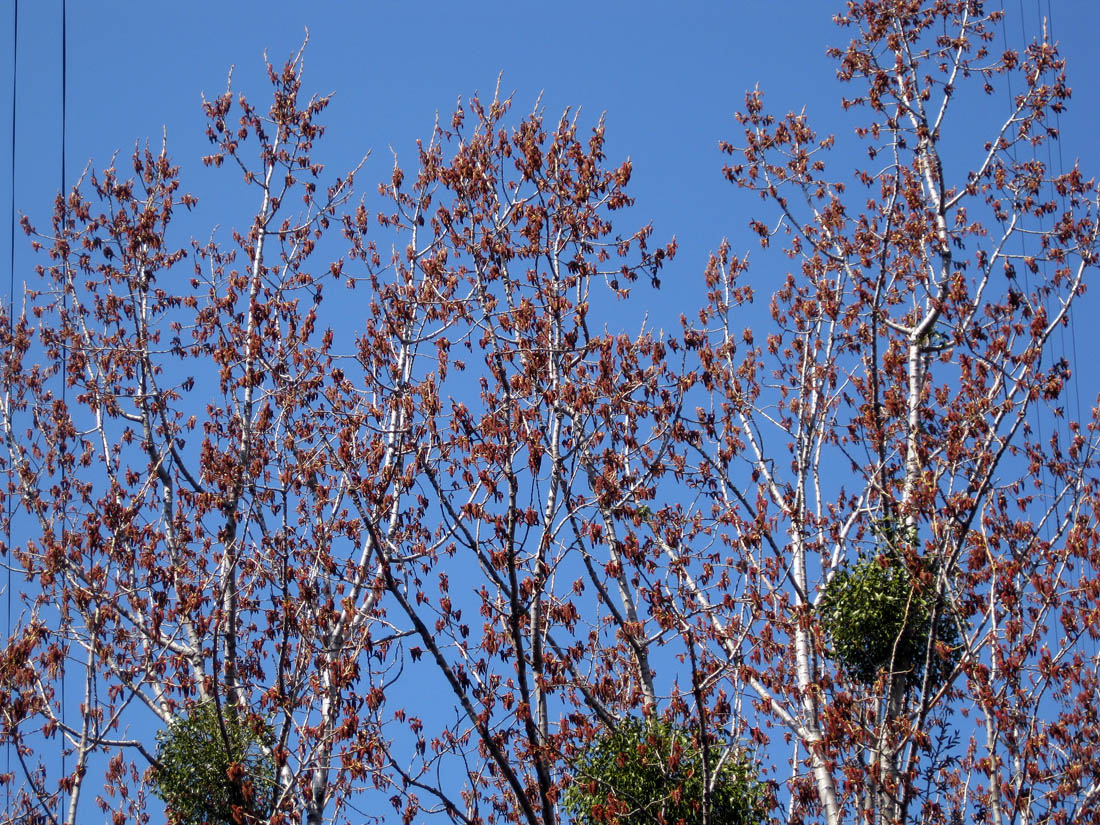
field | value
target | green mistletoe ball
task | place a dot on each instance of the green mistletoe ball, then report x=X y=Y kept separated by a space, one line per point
x=215 y=768
x=876 y=619
x=651 y=773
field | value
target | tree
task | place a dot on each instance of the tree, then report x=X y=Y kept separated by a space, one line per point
x=232 y=506
x=911 y=383
x=223 y=498
x=158 y=438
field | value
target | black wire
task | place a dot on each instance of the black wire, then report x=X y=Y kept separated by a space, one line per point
x=14 y=88
x=63 y=798
x=1045 y=25
x=1073 y=384
x=1034 y=414
x=11 y=310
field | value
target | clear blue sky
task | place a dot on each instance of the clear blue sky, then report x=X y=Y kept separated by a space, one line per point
x=669 y=77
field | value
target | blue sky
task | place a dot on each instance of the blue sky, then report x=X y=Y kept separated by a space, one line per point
x=669 y=77
x=669 y=83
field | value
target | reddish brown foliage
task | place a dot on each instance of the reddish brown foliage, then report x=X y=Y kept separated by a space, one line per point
x=483 y=498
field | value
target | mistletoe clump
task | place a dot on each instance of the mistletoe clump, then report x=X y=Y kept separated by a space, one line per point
x=652 y=773
x=215 y=767
x=877 y=619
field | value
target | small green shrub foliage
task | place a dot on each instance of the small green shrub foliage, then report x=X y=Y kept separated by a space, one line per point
x=647 y=772
x=873 y=614
x=204 y=782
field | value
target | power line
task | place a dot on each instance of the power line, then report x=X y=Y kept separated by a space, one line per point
x=11 y=311
x=1057 y=341
x=63 y=797
x=1073 y=382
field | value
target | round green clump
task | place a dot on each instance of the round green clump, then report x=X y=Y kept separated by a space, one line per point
x=651 y=773
x=876 y=619
x=210 y=776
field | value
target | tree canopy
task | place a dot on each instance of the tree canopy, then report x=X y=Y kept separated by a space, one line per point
x=484 y=554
